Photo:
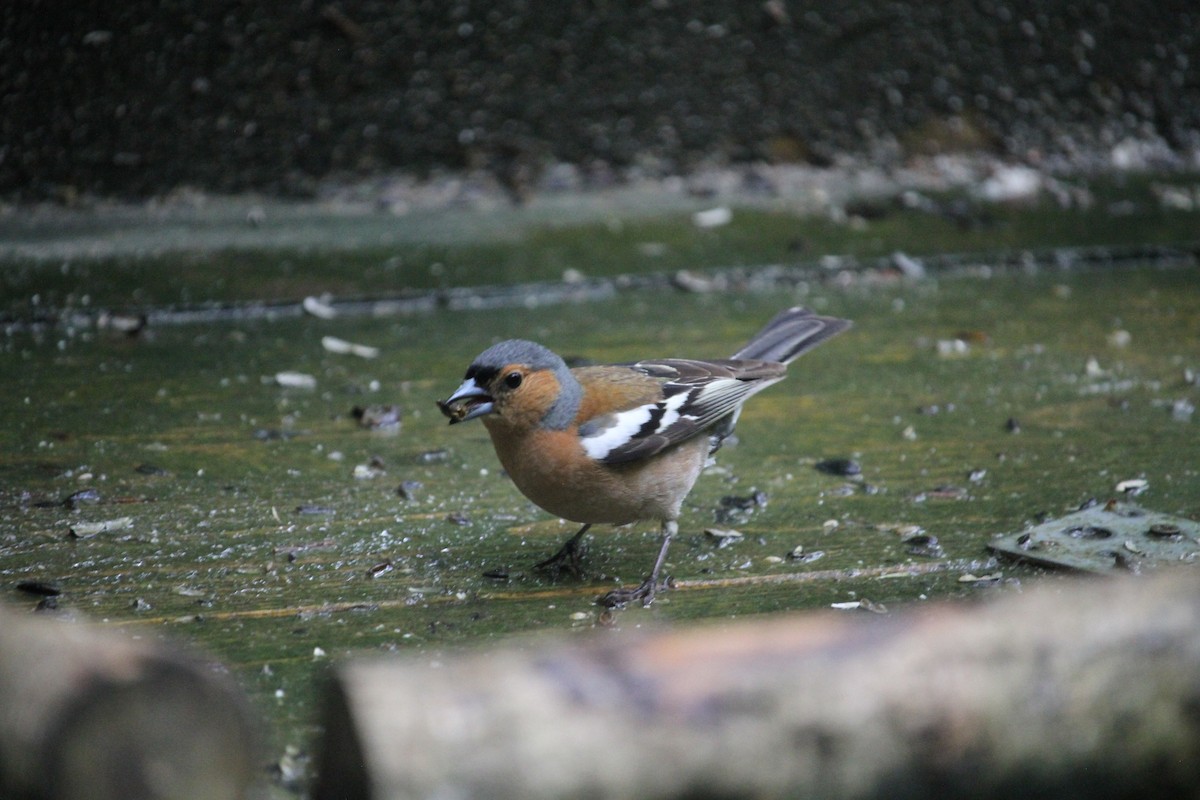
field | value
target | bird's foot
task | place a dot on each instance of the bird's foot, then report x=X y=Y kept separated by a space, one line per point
x=569 y=558
x=645 y=591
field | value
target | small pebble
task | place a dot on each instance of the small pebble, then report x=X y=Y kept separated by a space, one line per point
x=839 y=466
x=724 y=536
x=1165 y=530
x=273 y=435
x=433 y=457
x=947 y=492
x=82 y=497
x=924 y=545
x=384 y=417
x=410 y=490
x=935 y=409
x=800 y=556
x=994 y=577
x=380 y=569
x=367 y=471
x=39 y=588
x=755 y=499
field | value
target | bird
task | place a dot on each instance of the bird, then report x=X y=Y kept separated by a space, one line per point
x=621 y=443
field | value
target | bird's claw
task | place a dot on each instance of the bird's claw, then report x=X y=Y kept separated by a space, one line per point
x=645 y=591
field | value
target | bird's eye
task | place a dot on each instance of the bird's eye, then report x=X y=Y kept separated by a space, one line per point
x=512 y=380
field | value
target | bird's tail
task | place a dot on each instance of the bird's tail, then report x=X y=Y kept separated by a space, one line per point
x=793 y=332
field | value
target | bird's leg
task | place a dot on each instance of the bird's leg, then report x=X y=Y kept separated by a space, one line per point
x=568 y=555
x=644 y=591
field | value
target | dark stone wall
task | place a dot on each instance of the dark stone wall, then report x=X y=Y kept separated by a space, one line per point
x=133 y=98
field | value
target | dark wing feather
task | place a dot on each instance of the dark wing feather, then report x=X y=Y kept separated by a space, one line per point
x=695 y=396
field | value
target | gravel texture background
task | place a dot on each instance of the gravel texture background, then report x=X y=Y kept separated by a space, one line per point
x=135 y=99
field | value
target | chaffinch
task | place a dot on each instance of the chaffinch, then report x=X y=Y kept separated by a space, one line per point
x=623 y=442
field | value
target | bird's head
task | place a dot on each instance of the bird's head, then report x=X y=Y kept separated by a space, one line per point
x=519 y=381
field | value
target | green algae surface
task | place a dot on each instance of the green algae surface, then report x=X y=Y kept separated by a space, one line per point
x=169 y=485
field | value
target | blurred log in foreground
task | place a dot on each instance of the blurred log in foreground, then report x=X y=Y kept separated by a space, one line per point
x=86 y=713
x=1076 y=690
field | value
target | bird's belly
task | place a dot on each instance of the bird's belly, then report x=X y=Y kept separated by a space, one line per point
x=584 y=490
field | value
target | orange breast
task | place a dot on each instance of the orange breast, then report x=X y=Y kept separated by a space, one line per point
x=550 y=468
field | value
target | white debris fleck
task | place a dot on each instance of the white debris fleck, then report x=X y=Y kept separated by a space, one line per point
x=295 y=380
x=724 y=536
x=713 y=217
x=319 y=307
x=909 y=267
x=366 y=472
x=861 y=605
x=951 y=348
x=1133 y=486
x=342 y=347
x=1120 y=338
x=84 y=530
x=1011 y=183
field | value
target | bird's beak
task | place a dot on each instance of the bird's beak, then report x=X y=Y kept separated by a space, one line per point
x=468 y=402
